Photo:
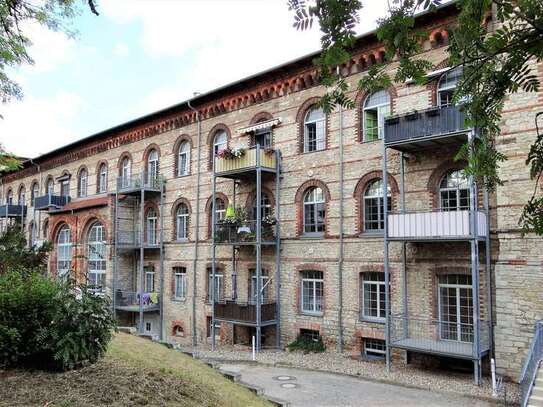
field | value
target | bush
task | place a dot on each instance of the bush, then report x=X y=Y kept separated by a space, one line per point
x=307 y=344
x=49 y=324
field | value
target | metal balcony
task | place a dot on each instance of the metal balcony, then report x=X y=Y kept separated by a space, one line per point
x=130 y=301
x=12 y=211
x=139 y=182
x=50 y=202
x=427 y=335
x=133 y=240
x=243 y=234
x=432 y=127
x=245 y=313
x=435 y=225
x=247 y=164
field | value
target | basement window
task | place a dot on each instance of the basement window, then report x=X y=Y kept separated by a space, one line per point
x=310 y=334
x=374 y=348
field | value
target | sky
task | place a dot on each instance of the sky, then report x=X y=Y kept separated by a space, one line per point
x=140 y=56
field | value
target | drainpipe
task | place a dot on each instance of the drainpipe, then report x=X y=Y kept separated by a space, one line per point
x=37 y=224
x=197 y=223
x=341 y=248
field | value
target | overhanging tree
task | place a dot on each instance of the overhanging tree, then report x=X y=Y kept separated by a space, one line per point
x=495 y=63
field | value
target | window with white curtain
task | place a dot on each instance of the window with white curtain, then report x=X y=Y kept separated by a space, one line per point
x=64 y=252
x=182 y=221
x=374 y=216
x=151 y=223
x=454 y=191
x=83 y=181
x=312 y=292
x=447 y=86
x=152 y=167
x=183 y=159
x=96 y=246
x=102 y=179
x=314 y=211
x=126 y=169
x=314 y=130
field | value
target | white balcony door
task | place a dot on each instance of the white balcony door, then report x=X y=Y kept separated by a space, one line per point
x=456 y=308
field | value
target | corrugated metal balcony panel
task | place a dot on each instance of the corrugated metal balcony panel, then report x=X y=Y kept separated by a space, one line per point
x=423 y=129
x=12 y=211
x=434 y=225
x=47 y=202
x=246 y=163
x=135 y=183
x=243 y=312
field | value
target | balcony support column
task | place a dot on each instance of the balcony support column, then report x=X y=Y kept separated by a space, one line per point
x=142 y=253
x=488 y=275
x=277 y=251
x=404 y=250
x=258 y=249
x=213 y=255
x=234 y=268
x=385 y=257
x=161 y=296
x=115 y=233
x=474 y=242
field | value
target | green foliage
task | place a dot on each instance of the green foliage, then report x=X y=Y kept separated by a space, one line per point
x=307 y=344
x=15 y=14
x=48 y=325
x=15 y=255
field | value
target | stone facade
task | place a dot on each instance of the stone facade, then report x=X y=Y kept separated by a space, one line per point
x=287 y=93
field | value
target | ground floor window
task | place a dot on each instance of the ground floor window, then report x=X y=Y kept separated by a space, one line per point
x=312 y=292
x=455 y=308
x=148 y=327
x=373 y=296
x=374 y=348
x=310 y=334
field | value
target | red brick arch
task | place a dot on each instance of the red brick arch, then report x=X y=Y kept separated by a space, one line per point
x=298 y=199
x=361 y=186
x=260 y=117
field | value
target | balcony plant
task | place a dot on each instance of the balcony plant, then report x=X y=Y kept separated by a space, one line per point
x=231 y=153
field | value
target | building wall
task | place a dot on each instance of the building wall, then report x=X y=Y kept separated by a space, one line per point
x=516 y=261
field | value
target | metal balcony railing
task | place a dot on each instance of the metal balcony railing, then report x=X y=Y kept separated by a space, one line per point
x=131 y=238
x=437 y=337
x=531 y=365
x=435 y=224
x=266 y=158
x=50 y=201
x=242 y=233
x=244 y=312
x=130 y=300
x=437 y=121
x=138 y=182
x=12 y=211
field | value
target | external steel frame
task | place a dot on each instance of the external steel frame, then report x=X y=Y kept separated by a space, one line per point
x=258 y=170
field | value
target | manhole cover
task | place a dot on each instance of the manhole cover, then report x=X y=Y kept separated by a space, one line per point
x=289 y=385
x=284 y=378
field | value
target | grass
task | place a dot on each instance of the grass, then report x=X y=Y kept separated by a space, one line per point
x=134 y=372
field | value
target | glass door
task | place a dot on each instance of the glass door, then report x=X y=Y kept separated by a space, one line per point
x=455 y=308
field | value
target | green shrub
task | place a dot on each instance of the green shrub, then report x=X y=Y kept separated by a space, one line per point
x=307 y=344
x=46 y=324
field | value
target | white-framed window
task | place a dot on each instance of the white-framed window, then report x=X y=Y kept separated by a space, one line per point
x=151 y=226
x=314 y=211
x=152 y=167
x=22 y=196
x=376 y=109
x=126 y=172
x=374 y=348
x=65 y=188
x=9 y=197
x=96 y=246
x=102 y=179
x=149 y=282
x=220 y=142
x=374 y=216
x=447 y=86
x=264 y=287
x=454 y=191
x=82 y=183
x=183 y=159
x=263 y=138
x=219 y=285
x=312 y=292
x=64 y=252
x=34 y=193
x=182 y=221
x=220 y=209
x=180 y=282
x=314 y=130
x=50 y=187
x=455 y=307
x=373 y=296
x=265 y=206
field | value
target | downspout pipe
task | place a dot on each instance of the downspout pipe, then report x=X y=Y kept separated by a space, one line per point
x=38 y=223
x=341 y=254
x=197 y=222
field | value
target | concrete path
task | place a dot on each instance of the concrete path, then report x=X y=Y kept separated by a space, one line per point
x=304 y=388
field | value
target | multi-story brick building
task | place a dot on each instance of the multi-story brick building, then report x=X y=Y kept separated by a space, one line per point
x=131 y=209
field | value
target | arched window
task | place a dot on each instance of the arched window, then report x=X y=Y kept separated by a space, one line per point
x=454 y=191
x=96 y=245
x=50 y=186
x=82 y=183
x=9 y=197
x=447 y=86
x=33 y=234
x=376 y=108
x=374 y=217
x=265 y=206
x=183 y=159
x=314 y=130
x=220 y=142
x=102 y=179
x=182 y=221
x=151 y=222
x=64 y=252
x=126 y=171
x=314 y=211
x=312 y=292
x=152 y=166
x=34 y=193
x=22 y=196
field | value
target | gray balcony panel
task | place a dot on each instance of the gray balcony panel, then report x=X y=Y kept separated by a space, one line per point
x=47 y=202
x=12 y=211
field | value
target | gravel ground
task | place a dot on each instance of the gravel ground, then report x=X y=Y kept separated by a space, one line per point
x=340 y=363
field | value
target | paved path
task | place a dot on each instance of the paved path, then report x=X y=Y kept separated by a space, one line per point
x=305 y=388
